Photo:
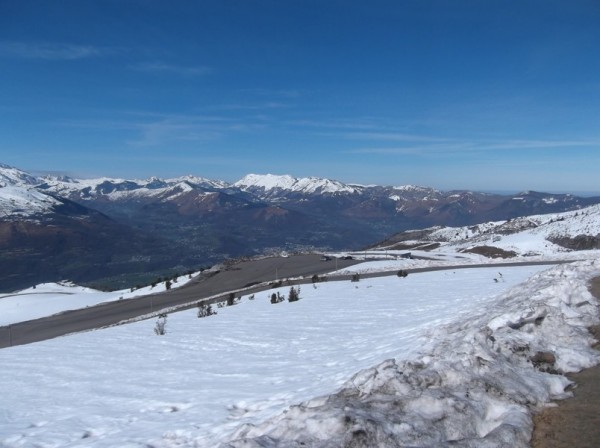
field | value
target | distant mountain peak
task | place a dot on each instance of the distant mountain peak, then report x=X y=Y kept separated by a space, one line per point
x=15 y=177
x=270 y=183
x=415 y=188
x=198 y=181
x=266 y=181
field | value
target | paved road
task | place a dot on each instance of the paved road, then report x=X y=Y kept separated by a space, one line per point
x=215 y=286
x=229 y=279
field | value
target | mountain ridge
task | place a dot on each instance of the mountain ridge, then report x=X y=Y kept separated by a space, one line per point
x=192 y=221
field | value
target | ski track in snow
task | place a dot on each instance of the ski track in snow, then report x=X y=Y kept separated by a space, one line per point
x=234 y=376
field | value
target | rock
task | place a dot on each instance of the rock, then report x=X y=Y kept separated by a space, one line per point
x=543 y=358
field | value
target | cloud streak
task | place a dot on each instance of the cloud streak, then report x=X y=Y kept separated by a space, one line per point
x=150 y=130
x=456 y=147
x=172 y=69
x=49 y=51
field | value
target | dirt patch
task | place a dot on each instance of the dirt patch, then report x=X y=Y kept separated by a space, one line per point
x=575 y=422
x=580 y=242
x=491 y=252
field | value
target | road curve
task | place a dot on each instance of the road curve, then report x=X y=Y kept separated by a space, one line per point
x=212 y=287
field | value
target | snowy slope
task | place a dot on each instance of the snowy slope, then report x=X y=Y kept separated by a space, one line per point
x=528 y=236
x=585 y=221
x=15 y=177
x=18 y=202
x=474 y=384
x=231 y=375
x=532 y=235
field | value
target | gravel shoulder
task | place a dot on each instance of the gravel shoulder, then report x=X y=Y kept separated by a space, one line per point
x=575 y=422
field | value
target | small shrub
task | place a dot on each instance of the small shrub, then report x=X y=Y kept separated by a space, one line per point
x=277 y=298
x=402 y=273
x=294 y=294
x=205 y=310
x=161 y=325
x=355 y=277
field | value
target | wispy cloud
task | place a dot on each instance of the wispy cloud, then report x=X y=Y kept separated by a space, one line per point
x=49 y=51
x=392 y=136
x=340 y=124
x=281 y=93
x=453 y=147
x=257 y=106
x=541 y=144
x=190 y=128
x=148 y=130
x=180 y=70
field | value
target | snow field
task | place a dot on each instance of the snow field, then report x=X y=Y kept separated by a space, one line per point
x=472 y=383
x=196 y=385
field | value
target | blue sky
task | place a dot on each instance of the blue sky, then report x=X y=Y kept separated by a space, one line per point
x=462 y=94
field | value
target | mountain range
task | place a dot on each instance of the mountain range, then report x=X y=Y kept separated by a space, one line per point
x=116 y=232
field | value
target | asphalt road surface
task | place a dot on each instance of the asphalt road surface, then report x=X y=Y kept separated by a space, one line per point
x=229 y=279
x=216 y=286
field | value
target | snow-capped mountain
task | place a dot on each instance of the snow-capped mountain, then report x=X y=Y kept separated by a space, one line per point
x=122 y=189
x=272 y=186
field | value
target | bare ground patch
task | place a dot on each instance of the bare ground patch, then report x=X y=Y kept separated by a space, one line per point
x=490 y=252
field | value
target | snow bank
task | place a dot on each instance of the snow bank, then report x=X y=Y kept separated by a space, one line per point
x=475 y=384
